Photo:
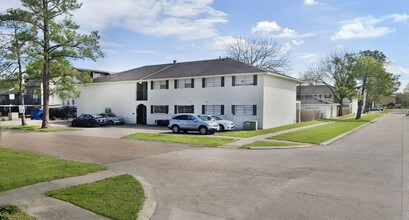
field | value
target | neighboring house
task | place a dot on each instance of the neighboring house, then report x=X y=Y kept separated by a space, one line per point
x=9 y=98
x=385 y=101
x=223 y=87
x=321 y=97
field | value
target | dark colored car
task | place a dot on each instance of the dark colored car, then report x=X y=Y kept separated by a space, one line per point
x=89 y=120
x=112 y=119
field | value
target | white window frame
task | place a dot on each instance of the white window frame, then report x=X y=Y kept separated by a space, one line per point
x=184 y=83
x=160 y=109
x=183 y=108
x=243 y=110
x=213 y=82
x=159 y=84
x=244 y=80
x=213 y=110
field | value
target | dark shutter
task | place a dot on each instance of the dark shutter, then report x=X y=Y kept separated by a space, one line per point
x=233 y=81
x=203 y=82
x=222 y=109
x=176 y=83
x=222 y=81
x=193 y=83
x=167 y=109
x=167 y=84
x=203 y=109
x=254 y=109
x=176 y=109
x=151 y=109
x=193 y=109
x=233 y=109
x=151 y=84
x=255 y=80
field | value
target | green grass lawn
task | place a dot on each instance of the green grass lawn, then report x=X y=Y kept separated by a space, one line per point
x=267 y=144
x=318 y=135
x=119 y=197
x=18 y=168
x=246 y=134
x=36 y=128
x=182 y=139
x=13 y=212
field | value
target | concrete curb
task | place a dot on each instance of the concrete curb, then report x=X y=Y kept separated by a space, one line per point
x=149 y=206
x=349 y=132
x=283 y=148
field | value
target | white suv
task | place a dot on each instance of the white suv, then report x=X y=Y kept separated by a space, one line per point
x=193 y=122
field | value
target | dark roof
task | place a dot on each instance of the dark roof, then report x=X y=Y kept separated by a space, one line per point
x=315 y=100
x=317 y=89
x=224 y=66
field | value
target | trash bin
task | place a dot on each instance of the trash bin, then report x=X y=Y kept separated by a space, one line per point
x=250 y=125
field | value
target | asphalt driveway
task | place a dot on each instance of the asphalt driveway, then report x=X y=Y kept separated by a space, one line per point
x=361 y=176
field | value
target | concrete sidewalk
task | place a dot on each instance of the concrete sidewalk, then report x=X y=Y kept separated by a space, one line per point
x=32 y=199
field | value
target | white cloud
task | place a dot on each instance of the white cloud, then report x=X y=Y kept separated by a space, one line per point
x=183 y=19
x=287 y=33
x=266 y=27
x=310 y=2
x=398 y=17
x=399 y=70
x=361 y=28
x=309 y=57
x=219 y=43
x=295 y=42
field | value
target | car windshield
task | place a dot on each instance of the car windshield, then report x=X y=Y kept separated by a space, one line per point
x=215 y=117
x=111 y=115
x=205 y=118
x=96 y=116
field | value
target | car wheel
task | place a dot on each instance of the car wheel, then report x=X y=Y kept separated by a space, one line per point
x=110 y=122
x=175 y=129
x=73 y=124
x=221 y=127
x=203 y=130
x=89 y=124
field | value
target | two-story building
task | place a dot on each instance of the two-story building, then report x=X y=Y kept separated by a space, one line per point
x=223 y=87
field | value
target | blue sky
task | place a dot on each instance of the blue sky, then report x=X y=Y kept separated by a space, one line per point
x=143 y=32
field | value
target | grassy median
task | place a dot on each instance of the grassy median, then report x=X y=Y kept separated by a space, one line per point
x=36 y=128
x=206 y=141
x=321 y=134
x=18 y=168
x=119 y=197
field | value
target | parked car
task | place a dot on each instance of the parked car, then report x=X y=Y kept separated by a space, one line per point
x=193 y=122
x=407 y=113
x=89 y=120
x=224 y=125
x=376 y=108
x=112 y=119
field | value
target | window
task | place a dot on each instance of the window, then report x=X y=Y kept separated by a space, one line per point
x=73 y=101
x=244 y=110
x=184 y=109
x=328 y=96
x=213 y=109
x=244 y=80
x=142 y=91
x=159 y=109
x=184 y=83
x=213 y=82
x=163 y=84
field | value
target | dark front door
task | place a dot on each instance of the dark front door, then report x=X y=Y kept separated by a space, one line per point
x=141 y=115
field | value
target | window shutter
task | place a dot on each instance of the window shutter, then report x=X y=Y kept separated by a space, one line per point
x=167 y=84
x=193 y=108
x=254 y=109
x=255 y=80
x=233 y=81
x=176 y=109
x=167 y=109
x=233 y=109
x=222 y=81
x=203 y=109
x=176 y=83
x=222 y=109
x=151 y=84
x=203 y=82
x=193 y=83
x=151 y=109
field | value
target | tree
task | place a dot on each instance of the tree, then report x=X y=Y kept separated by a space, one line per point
x=263 y=53
x=374 y=80
x=15 y=53
x=334 y=72
x=57 y=44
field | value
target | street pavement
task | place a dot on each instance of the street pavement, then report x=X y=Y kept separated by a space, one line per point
x=363 y=175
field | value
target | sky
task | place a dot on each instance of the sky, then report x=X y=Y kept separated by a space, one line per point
x=135 y=33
